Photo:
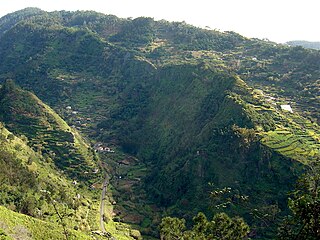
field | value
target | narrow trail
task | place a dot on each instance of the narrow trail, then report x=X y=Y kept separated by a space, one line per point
x=102 y=203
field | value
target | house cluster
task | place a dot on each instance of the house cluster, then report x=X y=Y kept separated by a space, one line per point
x=283 y=107
x=100 y=147
x=69 y=109
x=286 y=108
x=271 y=100
x=78 y=122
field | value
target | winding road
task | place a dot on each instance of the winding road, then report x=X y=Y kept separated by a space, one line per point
x=102 y=203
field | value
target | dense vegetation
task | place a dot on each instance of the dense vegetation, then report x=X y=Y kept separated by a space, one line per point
x=303 y=222
x=182 y=106
x=220 y=227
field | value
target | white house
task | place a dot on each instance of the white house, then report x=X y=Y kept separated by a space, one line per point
x=286 y=108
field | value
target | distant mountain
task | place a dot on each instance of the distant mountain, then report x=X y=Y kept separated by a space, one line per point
x=306 y=44
x=188 y=110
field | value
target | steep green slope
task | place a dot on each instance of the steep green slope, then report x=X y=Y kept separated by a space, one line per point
x=202 y=125
x=207 y=131
x=24 y=114
x=18 y=226
x=48 y=171
x=32 y=186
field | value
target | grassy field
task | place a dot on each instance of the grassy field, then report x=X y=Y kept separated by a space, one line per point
x=18 y=226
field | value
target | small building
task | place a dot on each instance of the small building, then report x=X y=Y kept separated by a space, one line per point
x=286 y=108
x=109 y=150
x=68 y=107
x=99 y=147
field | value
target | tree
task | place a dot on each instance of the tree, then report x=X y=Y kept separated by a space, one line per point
x=225 y=228
x=62 y=215
x=221 y=227
x=171 y=228
x=10 y=137
x=304 y=223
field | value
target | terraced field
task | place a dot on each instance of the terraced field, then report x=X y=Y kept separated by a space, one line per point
x=48 y=134
x=296 y=138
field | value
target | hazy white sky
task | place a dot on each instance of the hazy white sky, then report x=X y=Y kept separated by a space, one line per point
x=277 y=20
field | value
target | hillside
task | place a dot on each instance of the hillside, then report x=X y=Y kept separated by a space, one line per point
x=24 y=114
x=19 y=226
x=181 y=106
x=48 y=172
x=32 y=186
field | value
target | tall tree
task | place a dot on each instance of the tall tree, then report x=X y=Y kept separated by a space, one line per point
x=221 y=227
x=304 y=223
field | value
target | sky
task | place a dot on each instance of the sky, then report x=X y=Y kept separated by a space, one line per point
x=276 y=20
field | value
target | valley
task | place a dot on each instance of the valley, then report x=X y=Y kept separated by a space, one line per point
x=148 y=119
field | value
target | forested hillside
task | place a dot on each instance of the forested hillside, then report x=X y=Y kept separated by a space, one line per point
x=174 y=112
